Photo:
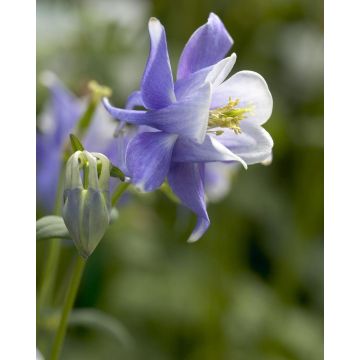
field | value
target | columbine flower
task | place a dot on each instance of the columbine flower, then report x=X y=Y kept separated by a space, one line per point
x=198 y=119
x=86 y=210
x=55 y=124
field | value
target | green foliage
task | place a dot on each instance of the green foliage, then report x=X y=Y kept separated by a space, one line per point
x=51 y=226
x=91 y=318
x=76 y=143
x=116 y=172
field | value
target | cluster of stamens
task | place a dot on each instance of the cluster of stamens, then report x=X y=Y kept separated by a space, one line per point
x=228 y=116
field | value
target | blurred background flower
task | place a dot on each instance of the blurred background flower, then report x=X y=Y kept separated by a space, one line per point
x=252 y=287
x=58 y=119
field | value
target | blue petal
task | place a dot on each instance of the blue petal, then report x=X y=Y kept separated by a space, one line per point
x=186 y=181
x=157 y=85
x=188 y=117
x=254 y=144
x=124 y=137
x=209 y=151
x=136 y=117
x=207 y=45
x=148 y=159
x=214 y=74
x=135 y=99
x=123 y=140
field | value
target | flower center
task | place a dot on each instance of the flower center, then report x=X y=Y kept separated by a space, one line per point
x=228 y=116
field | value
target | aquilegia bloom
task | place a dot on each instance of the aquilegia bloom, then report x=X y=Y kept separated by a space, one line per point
x=56 y=123
x=198 y=119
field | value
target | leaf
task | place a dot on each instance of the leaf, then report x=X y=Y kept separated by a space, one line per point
x=51 y=227
x=102 y=322
x=76 y=143
x=116 y=172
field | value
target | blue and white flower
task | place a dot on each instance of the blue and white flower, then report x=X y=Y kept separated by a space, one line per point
x=199 y=118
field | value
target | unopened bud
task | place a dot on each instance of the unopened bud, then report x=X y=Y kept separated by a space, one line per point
x=86 y=210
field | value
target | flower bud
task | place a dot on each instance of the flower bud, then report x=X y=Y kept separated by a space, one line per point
x=86 y=210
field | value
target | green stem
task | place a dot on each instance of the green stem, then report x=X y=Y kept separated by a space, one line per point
x=121 y=188
x=82 y=127
x=84 y=122
x=50 y=268
x=69 y=302
x=97 y=92
x=49 y=272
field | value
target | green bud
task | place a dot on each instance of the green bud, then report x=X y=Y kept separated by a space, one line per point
x=86 y=209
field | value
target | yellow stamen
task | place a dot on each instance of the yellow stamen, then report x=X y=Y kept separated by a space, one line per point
x=98 y=91
x=228 y=116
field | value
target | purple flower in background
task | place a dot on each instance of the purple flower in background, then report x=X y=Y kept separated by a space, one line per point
x=57 y=121
x=200 y=118
x=218 y=179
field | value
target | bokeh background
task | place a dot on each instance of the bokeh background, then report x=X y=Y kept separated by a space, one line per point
x=252 y=287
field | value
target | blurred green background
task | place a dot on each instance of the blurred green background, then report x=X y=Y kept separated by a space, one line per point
x=252 y=287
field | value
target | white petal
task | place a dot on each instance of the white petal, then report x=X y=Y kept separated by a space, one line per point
x=221 y=70
x=252 y=91
x=254 y=144
x=210 y=150
x=214 y=74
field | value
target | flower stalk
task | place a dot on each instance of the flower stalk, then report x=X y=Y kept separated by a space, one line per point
x=50 y=269
x=118 y=192
x=68 y=305
x=97 y=92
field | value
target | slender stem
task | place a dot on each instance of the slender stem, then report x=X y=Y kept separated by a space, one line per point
x=69 y=302
x=50 y=269
x=74 y=286
x=49 y=272
x=84 y=122
x=120 y=189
